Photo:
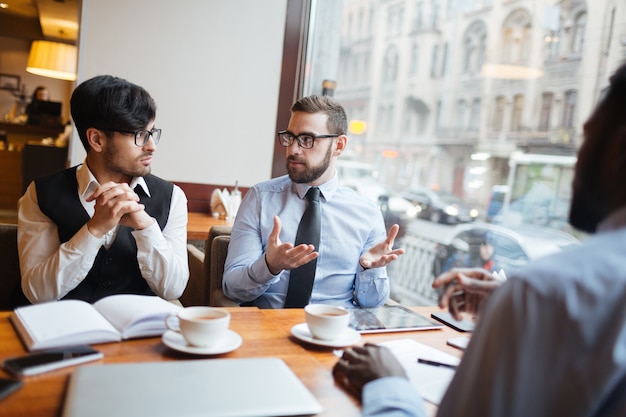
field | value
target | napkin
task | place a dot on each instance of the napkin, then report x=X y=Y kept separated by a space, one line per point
x=224 y=203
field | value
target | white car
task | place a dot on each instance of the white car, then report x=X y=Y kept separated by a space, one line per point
x=513 y=247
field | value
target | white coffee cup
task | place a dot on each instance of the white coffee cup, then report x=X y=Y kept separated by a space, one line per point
x=326 y=322
x=200 y=326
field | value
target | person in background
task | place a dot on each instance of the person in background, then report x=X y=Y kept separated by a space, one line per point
x=551 y=340
x=41 y=93
x=354 y=248
x=107 y=226
x=478 y=255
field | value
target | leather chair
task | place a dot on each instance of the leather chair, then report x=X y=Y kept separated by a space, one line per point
x=11 y=294
x=206 y=271
x=219 y=250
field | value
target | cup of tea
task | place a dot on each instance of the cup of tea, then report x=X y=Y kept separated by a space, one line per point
x=326 y=322
x=200 y=326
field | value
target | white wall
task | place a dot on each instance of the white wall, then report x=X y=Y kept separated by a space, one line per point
x=213 y=67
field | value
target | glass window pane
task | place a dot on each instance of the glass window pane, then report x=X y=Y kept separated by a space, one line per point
x=477 y=98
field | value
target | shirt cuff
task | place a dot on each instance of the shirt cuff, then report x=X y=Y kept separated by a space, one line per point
x=392 y=396
x=148 y=236
x=85 y=242
x=261 y=274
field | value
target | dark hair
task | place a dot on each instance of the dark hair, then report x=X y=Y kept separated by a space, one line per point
x=337 y=119
x=611 y=107
x=38 y=89
x=110 y=103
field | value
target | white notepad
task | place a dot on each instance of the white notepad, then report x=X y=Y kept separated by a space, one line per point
x=431 y=381
x=208 y=388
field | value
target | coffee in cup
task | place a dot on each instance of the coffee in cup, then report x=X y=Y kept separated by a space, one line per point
x=326 y=322
x=200 y=326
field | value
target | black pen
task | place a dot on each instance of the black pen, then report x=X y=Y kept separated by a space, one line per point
x=435 y=363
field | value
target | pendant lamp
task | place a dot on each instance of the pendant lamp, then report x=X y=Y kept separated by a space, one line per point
x=52 y=59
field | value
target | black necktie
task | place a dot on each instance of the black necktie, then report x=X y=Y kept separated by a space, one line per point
x=301 y=278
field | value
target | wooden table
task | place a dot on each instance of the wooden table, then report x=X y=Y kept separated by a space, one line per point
x=199 y=224
x=264 y=332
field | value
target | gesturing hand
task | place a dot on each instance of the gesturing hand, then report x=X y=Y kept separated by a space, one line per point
x=382 y=254
x=465 y=290
x=280 y=256
x=362 y=364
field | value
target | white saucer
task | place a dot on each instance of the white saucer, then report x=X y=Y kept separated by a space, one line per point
x=176 y=341
x=348 y=338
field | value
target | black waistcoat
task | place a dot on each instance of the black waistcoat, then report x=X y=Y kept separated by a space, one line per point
x=116 y=270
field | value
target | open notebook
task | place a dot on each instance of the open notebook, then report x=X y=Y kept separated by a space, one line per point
x=208 y=388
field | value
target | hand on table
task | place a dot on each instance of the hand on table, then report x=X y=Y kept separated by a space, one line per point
x=382 y=254
x=465 y=290
x=362 y=364
x=280 y=256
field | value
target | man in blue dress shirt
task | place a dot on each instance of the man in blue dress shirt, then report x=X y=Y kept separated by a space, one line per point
x=354 y=248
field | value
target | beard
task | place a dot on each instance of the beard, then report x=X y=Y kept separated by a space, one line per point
x=310 y=173
x=120 y=166
x=587 y=208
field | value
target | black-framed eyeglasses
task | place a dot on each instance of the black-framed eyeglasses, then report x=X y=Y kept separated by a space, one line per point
x=141 y=136
x=305 y=141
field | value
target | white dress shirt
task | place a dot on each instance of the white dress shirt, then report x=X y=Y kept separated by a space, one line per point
x=50 y=269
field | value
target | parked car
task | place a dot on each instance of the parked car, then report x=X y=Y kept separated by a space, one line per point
x=512 y=247
x=440 y=206
x=395 y=209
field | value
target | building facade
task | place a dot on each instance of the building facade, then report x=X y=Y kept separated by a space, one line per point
x=441 y=92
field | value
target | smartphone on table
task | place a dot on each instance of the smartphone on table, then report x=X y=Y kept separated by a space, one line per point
x=49 y=360
x=458 y=325
x=7 y=386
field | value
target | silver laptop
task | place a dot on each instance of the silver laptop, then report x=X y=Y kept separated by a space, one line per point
x=209 y=387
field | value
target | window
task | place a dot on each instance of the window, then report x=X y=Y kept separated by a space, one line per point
x=444 y=59
x=546 y=111
x=390 y=69
x=518 y=109
x=578 y=33
x=474 y=121
x=516 y=38
x=415 y=52
x=474 y=43
x=434 y=14
x=450 y=91
x=498 y=114
x=460 y=116
x=394 y=21
x=434 y=61
x=419 y=15
x=569 y=108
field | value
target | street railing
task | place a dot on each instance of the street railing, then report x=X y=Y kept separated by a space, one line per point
x=411 y=275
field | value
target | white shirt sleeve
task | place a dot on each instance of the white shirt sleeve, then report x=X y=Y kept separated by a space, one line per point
x=50 y=269
x=162 y=255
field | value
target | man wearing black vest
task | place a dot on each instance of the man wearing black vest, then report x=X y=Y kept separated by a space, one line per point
x=106 y=226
